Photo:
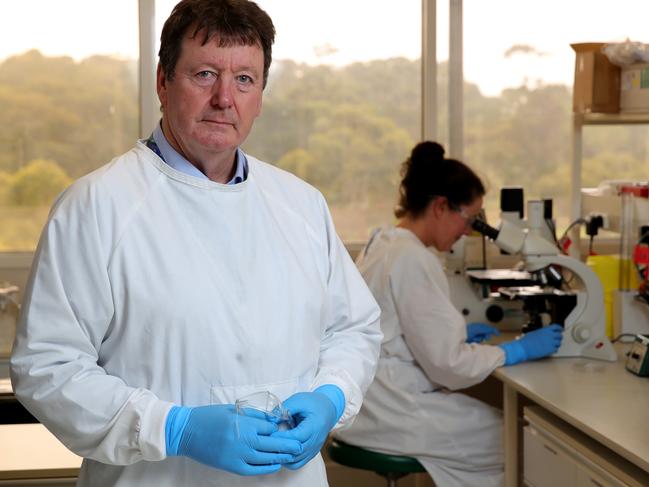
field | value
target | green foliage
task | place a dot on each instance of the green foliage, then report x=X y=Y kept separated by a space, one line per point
x=21 y=227
x=5 y=182
x=37 y=184
x=78 y=114
x=299 y=162
x=345 y=130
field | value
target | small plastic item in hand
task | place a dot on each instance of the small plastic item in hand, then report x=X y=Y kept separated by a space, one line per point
x=265 y=405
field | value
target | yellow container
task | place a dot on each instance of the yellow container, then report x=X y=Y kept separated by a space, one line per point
x=608 y=269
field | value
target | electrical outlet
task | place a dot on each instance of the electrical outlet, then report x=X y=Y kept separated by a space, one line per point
x=603 y=216
x=606 y=224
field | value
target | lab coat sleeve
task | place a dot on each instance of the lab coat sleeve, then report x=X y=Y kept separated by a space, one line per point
x=352 y=336
x=433 y=329
x=66 y=312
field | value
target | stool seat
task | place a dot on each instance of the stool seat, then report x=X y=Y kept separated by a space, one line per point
x=381 y=463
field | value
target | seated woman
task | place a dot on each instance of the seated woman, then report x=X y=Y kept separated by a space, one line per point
x=428 y=350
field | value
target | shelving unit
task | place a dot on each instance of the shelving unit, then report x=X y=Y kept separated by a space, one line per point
x=579 y=120
x=612 y=206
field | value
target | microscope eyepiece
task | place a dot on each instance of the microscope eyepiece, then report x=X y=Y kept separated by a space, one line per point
x=485 y=229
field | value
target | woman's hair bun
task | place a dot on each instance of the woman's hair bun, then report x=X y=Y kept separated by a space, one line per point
x=426 y=151
x=426 y=174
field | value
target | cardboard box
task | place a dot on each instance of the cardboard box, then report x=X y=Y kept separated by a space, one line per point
x=597 y=80
x=634 y=88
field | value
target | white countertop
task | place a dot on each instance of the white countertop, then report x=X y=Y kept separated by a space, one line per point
x=30 y=451
x=602 y=399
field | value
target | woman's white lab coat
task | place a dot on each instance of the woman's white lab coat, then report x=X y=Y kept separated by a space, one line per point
x=411 y=408
x=151 y=288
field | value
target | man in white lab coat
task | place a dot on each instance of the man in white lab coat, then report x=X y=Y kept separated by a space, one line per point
x=184 y=275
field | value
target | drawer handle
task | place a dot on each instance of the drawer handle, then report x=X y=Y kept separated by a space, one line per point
x=554 y=452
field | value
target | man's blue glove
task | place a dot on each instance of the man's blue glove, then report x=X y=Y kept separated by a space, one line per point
x=209 y=434
x=535 y=344
x=315 y=413
x=479 y=332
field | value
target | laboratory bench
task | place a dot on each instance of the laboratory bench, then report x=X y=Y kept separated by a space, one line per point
x=29 y=453
x=575 y=422
x=11 y=411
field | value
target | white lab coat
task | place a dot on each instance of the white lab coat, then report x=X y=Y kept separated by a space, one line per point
x=151 y=288
x=410 y=408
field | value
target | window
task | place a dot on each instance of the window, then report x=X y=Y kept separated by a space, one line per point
x=69 y=98
x=342 y=108
x=519 y=69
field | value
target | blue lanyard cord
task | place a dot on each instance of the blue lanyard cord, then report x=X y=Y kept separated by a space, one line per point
x=150 y=143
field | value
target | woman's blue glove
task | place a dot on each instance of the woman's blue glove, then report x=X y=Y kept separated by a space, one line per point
x=315 y=413
x=209 y=434
x=535 y=344
x=479 y=332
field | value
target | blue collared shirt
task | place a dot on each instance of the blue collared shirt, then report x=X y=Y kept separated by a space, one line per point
x=169 y=155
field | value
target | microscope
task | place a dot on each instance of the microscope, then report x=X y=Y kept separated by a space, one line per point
x=579 y=311
x=475 y=288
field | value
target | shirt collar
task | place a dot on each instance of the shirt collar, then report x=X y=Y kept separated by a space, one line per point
x=179 y=163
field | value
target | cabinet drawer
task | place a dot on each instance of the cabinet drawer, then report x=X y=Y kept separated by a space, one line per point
x=39 y=483
x=594 y=464
x=588 y=478
x=545 y=464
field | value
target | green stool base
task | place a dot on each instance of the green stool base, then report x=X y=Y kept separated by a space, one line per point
x=391 y=467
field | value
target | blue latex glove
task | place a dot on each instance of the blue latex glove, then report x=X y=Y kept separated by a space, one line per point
x=479 y=332
x=315 y=413
x=535 y=344
x=208 y=434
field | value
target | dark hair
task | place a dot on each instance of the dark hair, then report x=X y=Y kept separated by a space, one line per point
x=426 y=174
x=237 y=22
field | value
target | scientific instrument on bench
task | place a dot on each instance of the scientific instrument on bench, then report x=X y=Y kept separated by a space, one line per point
x=473 y=292
x=637 y=361
x=475 y=288
x=580 y=312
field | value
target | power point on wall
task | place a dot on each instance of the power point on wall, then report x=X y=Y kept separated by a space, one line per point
x=595 y=221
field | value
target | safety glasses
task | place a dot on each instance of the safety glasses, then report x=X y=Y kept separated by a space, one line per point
x=468 y=219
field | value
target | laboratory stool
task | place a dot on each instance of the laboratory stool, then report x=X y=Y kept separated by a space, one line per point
x=392 y=467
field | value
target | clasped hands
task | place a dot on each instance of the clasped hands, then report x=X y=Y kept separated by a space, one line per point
x=252 y=444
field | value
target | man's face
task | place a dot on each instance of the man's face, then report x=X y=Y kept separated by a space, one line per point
x=211 y=103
